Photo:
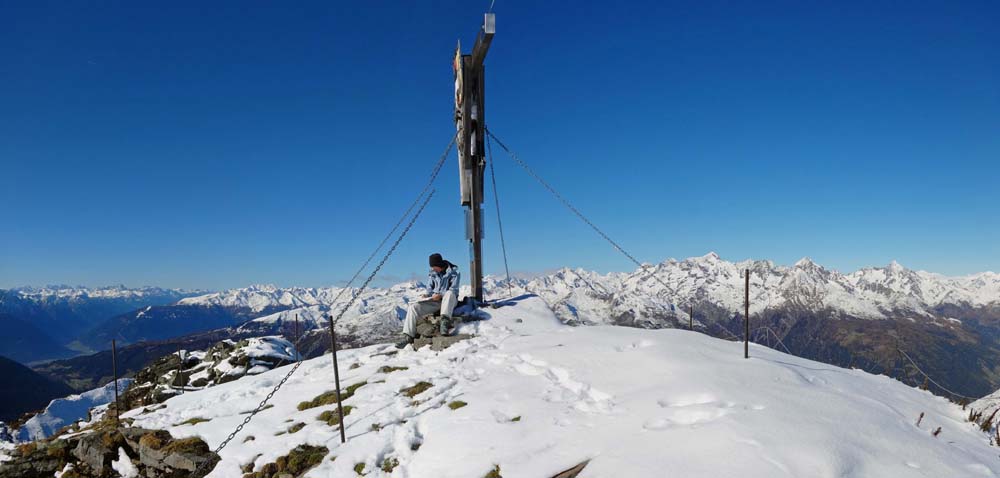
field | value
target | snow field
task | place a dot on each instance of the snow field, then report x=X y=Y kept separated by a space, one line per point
x=542 y=397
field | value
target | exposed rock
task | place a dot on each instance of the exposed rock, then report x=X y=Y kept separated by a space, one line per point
x=293 y=465
x=223 y=362
x=440 y=343
x=154 y=452
x=97 y=450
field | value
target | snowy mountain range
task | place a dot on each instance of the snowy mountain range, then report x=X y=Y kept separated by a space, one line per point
x=870 y=293
x=669 y=288
x=51 y=293
x=662 y=294
x=950 y=322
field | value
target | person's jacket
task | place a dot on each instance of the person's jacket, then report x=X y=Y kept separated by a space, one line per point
x=440 y=283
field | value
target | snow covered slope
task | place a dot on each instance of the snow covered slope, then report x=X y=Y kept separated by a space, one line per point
x=531 y=397
x=65 y=411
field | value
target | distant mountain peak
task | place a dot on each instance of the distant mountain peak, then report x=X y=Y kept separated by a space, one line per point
x=805 y=262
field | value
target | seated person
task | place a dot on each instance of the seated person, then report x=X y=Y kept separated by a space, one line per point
x=441 y=296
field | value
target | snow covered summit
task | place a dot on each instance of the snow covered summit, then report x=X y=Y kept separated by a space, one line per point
x=530 y=397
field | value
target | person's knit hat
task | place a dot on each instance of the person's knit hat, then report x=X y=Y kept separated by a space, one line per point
x=437 y=261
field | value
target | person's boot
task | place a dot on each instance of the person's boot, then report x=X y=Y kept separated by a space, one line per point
x=403 y=342
x=445 y=326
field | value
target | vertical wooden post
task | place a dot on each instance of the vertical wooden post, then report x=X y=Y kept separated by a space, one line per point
x=114 y=371
x=746 y=317
x=691 y=317
x=336 y=379
x=470 y=123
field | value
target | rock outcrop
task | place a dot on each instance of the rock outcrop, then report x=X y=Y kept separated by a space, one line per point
x=91 y=453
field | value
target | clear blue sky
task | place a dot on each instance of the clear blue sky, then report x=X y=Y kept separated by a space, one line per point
x=219 y=144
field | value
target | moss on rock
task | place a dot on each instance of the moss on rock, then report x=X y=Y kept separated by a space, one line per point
x=389 y=464
x=417 y=389
x=326 y=398
x=332 y=418
x=389 y=369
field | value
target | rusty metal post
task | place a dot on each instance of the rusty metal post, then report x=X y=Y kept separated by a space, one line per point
x=336 y=380
x=746 y=317
x=114 y=371
x=180 y=368
x=299 y=354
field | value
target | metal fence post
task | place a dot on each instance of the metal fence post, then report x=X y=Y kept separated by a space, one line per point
x=114 y=371
x=746 y=317
x=336 y=379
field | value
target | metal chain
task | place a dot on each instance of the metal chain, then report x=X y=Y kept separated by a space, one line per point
x=775 y=334
x=649 y=272
x=434 y=175
x=246 y=420
x=496 y=199
x=298 y=364
x=385 y=258
x=731 y=334
x=368 y=281
x=928 y=377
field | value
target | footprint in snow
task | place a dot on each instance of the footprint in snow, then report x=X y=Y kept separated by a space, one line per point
x=687 y=400
x=685 y=417
x=533 y=361
x=689 y=410
x=635 y=345
x=657 y=424
x=527 y=369
x=504 y=417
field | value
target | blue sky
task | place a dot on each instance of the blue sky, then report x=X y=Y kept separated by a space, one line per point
x=213 y=145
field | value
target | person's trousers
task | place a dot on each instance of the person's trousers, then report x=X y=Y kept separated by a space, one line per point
x=420 y=309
